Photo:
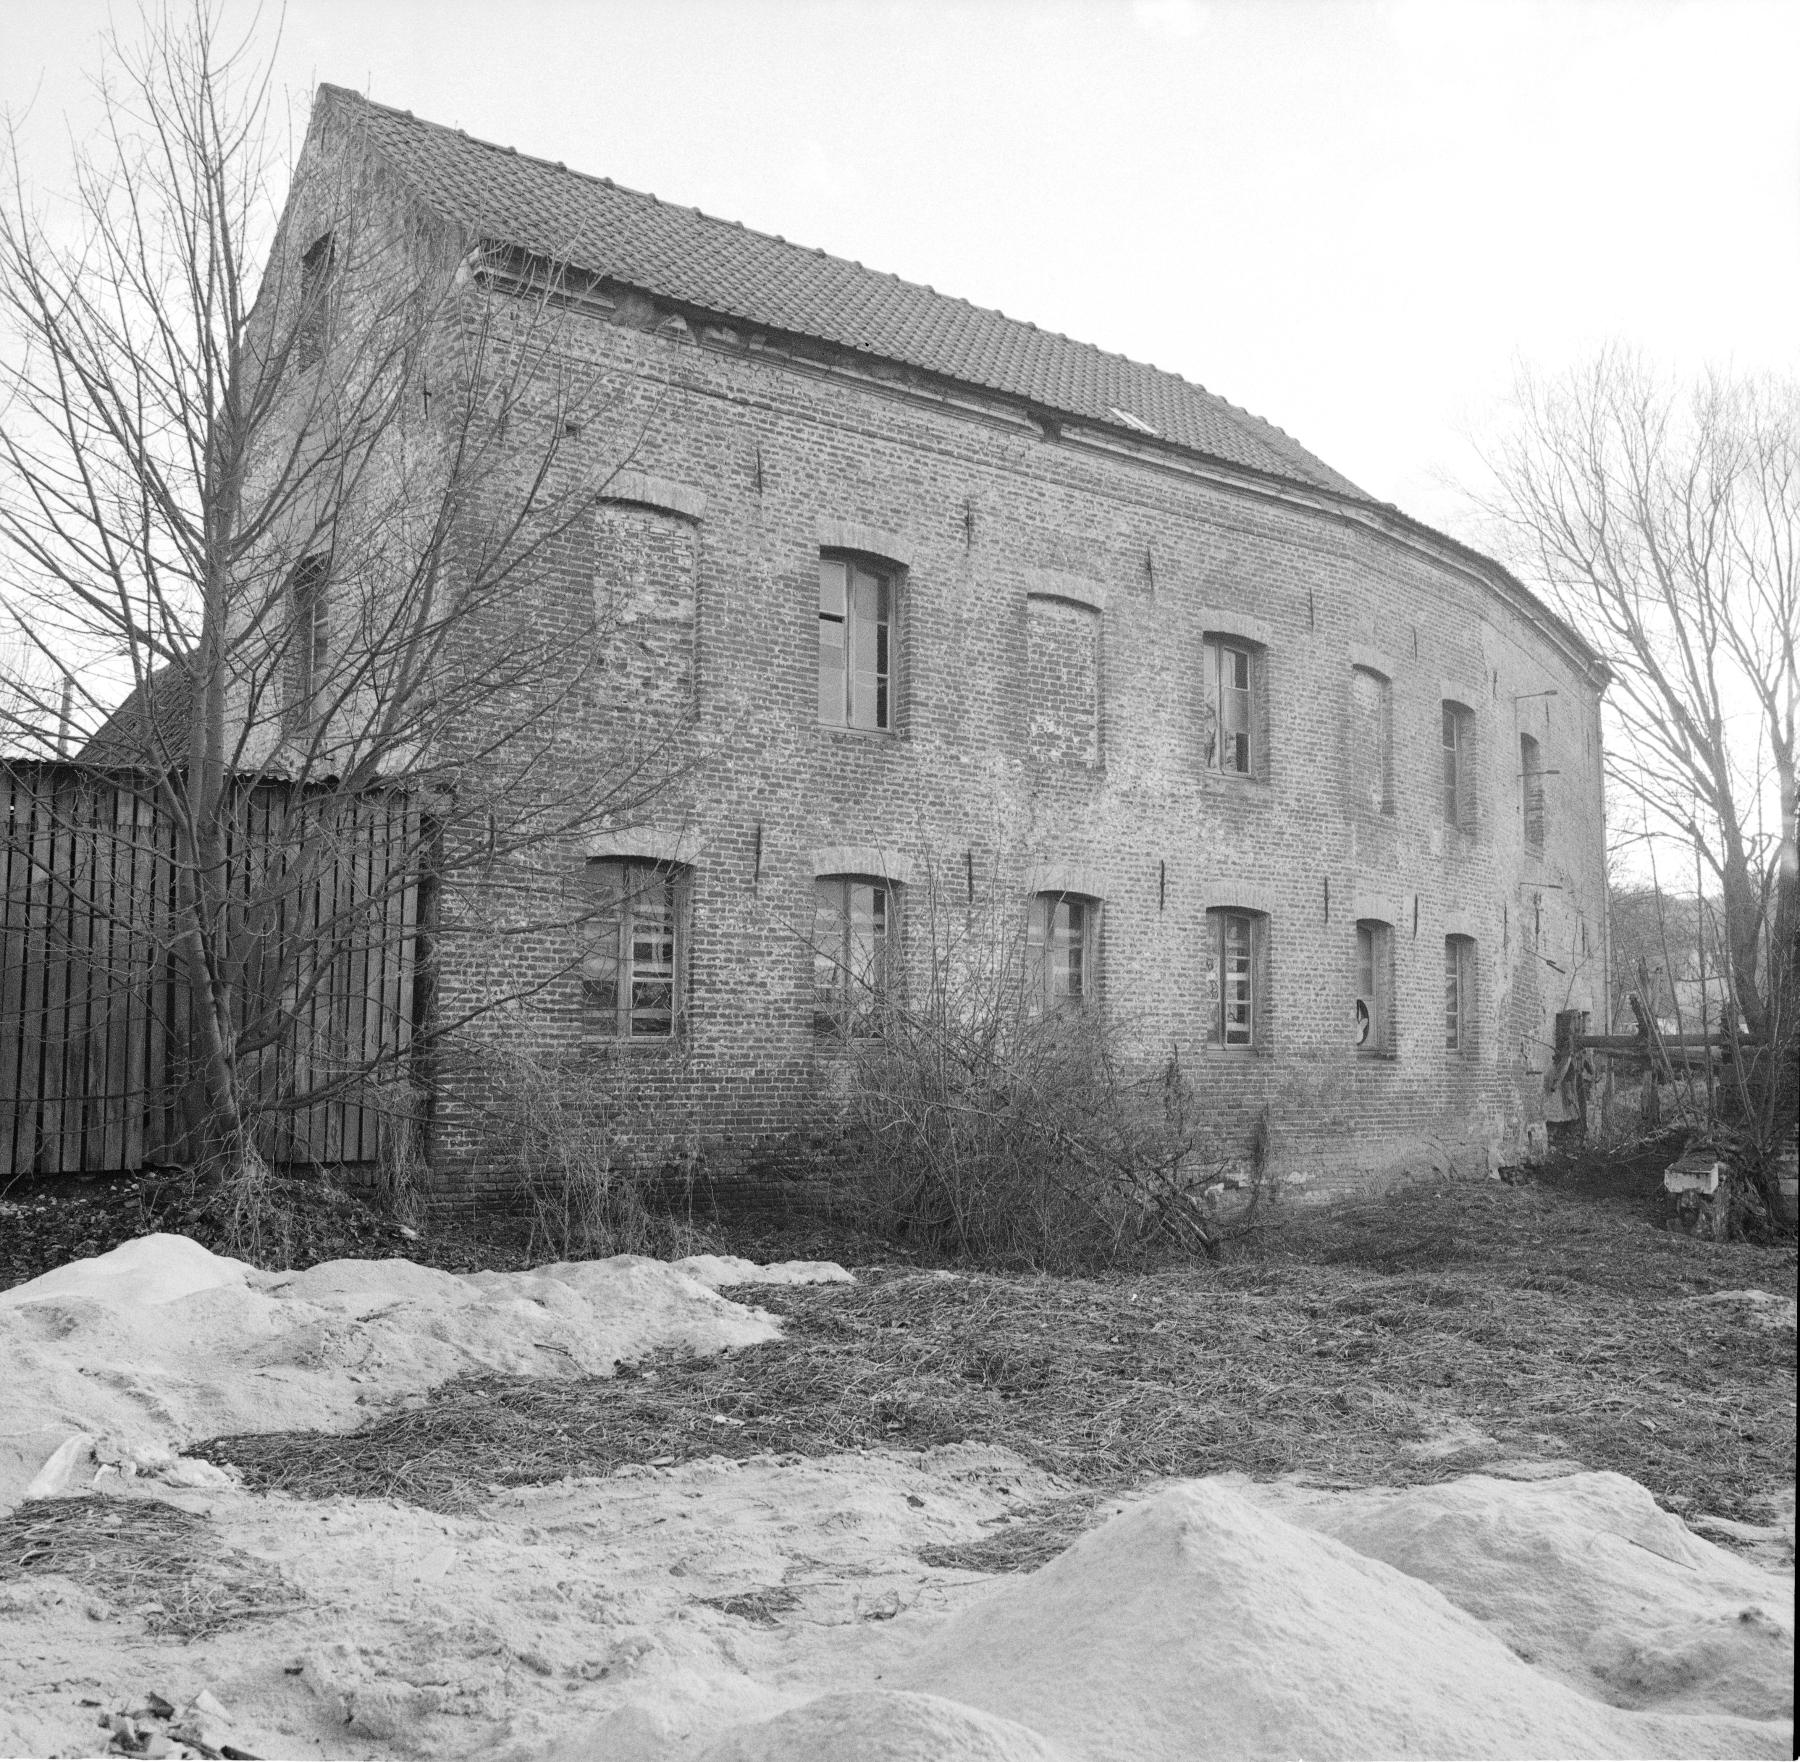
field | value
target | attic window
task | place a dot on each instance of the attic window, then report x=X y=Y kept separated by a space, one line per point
x=1130 y=421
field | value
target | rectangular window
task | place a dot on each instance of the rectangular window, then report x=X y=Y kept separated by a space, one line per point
x=309 y=634
x=856 y=646
x=1531 y=791
x=1374 y=1015
x=1234 y=961
x=1230 y=738
x=854 y=934
x=1459 y=766
x=631 y=973
x=1371 y=741
x=1459 y=995
x=1060 y=946
x=316 y=264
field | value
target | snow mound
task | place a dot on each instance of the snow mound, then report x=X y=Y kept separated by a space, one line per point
x=732 y=1269
x=150 y=1270
x=883 y=1725
x=1198 y=1625
x=159 y=1343
x=1590 y=1579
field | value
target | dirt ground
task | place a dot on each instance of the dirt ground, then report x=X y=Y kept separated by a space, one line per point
x=509 y=1562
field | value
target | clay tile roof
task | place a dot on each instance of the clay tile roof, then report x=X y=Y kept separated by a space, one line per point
x=720 y=267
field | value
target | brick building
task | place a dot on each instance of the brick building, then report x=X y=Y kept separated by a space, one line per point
x=952 y=607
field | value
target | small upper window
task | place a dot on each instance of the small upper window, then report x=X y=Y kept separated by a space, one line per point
x=1061 y=946
x=633 y=971
x=1371 y=741
x=1236 y=989
x=1374 y=1013
x=1459 y=765
x=1231 y=721
x=855 y=931
x=316 y=264
x=1531 y=790
x=856 y=645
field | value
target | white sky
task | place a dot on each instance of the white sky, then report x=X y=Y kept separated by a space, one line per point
x=1349 y=218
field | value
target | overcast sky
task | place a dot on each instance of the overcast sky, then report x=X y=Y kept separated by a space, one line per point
x=1349 y=218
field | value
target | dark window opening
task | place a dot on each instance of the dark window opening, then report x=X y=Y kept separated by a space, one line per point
x=316 y=265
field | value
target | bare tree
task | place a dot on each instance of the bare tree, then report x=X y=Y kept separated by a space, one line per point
x=1666 y=526
x=291 y=469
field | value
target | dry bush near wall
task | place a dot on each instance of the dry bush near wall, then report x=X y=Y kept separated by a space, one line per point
x=144 y=1558
x=990 y=1122
x=1408 y=1339
x=591 y=1186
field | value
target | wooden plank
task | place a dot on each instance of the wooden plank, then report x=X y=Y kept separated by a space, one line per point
x=15 y=906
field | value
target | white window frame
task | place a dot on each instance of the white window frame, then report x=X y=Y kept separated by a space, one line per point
x=859 y=628
x=1237 y=981
x=1062 y=952
x=1373 y=1020
x=854 y=979
x=634 y=968
x=1459 y=996
x=1232 y=739
x=1459 y=752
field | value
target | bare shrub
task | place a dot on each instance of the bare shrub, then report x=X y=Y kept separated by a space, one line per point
x=587 y=1182
x=990 y=1125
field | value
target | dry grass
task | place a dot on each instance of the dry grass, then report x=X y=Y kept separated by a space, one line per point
x=141 y=1557
x=1554 y=1323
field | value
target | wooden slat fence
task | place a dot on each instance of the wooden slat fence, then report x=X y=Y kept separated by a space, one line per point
x=322 y=937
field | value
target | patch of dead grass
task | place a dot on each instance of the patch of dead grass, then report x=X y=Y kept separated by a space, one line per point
x=141 y=1557
x=1334 y=1344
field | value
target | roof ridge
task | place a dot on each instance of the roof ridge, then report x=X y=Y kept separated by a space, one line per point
x=839 y=304
x=774 y=238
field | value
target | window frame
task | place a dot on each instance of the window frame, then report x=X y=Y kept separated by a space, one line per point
x=831 y=1013
x=1252 y=703
x=1382 y=778
x=1048 y=991
x=1232 y=930
x=1460 y=993
x=308 y=657
x=1373 y=988
x=1459 y=751
x=610 y=882
x=883 y=675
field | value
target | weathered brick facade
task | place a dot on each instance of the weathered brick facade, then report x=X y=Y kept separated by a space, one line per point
x=1056 y=581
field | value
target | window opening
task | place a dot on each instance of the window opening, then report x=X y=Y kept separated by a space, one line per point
x=1231 y=688
x=631 y=972
x=1459 y=994
x=1060 y=951
x=855 y=646
x=309 y=633
x=1233 y=981
x=316 y=264
x=1373 y=1016
x=853 y=943
x=1459 y=766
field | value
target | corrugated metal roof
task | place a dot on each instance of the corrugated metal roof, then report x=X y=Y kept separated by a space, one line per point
x=723 y=268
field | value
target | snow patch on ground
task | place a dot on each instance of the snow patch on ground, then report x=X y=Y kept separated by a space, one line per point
x=780 y=1607
x=159 y=1343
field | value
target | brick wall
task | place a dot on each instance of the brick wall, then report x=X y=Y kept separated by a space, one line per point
x=1036 y=730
